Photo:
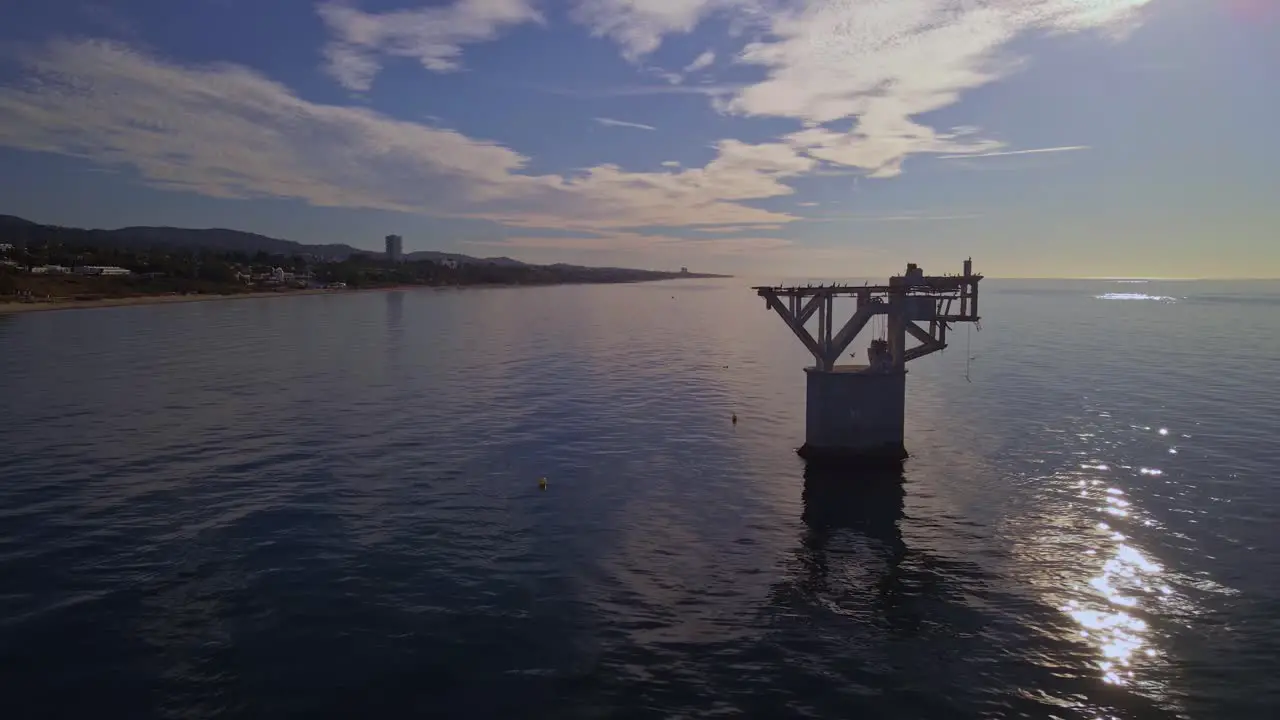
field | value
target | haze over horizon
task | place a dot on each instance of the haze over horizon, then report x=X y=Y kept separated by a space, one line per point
x=765 y=138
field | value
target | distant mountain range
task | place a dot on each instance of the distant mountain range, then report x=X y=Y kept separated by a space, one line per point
x=223 y=240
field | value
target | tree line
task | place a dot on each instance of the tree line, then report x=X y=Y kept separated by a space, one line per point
x=204 y=267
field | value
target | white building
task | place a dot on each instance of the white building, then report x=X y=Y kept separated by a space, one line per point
x=102 y=270
x=450 y=263
x=395 y=248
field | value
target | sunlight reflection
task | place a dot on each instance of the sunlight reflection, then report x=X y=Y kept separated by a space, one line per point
x=1135 y=296
x=1110 y=622
x=1116 y=633
x=1115 y=598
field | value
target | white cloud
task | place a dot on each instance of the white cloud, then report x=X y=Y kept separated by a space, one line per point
x=676 y=78
x=672 y=78
x=711 y=91
x=433 y=35
x=880 y=64
x=735 y=229
x=638 y=26
x=606 y=196
x=623 y=123
x=859 y=76
x=1033 y=151
x=226 y=131
x=872 y=67
x=701 y=62
x=907 y=217
x=637 y=242
x=671 y=163
x=858 y=73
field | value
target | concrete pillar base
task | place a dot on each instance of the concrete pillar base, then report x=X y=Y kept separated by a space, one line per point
x=883 y=454
x=853 y=415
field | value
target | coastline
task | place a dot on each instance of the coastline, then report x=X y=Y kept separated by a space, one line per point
x=19 y=308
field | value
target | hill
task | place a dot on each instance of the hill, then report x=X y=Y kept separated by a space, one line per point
x=224 y=240
x=20 y=231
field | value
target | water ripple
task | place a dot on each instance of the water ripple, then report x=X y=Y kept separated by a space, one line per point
x=328 y=506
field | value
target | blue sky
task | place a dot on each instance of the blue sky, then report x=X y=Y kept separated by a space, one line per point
x=1046 y=138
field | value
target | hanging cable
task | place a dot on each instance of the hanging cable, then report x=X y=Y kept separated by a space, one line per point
x=968 y=351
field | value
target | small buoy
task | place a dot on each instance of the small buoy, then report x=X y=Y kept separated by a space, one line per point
x=735 y=418
x=542 y=483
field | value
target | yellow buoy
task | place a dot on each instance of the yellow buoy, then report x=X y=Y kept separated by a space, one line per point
x=542 y=483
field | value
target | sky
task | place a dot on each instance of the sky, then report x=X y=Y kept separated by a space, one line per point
x=1044 y=138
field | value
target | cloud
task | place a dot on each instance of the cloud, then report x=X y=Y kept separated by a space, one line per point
x=859 y=79
x=672 y=78
x=226 y=131
x=675 y=78
x=671 y=163
x=880 y=65
x=1034 y=151
x=638 y=26
x=749 y=255
x=734 y=229
x=606 y=196
x=702 y=61
x=433 y=35
x=906 y=217
x=711 y=91
x=623 y=123
x=860 y=73
x=663 y=251
x=638 y=242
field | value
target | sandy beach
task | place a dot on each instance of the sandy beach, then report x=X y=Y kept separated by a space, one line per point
x=12 y=308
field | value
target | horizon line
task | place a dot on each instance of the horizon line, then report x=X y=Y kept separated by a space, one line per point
x=1118 y=278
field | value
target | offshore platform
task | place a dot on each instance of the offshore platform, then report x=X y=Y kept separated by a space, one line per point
x=858 y=411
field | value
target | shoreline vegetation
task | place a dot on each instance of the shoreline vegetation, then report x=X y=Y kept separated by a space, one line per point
x=45 y=267
x=11 y=306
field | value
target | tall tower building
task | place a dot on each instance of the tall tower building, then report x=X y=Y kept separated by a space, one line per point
x=395 y=248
